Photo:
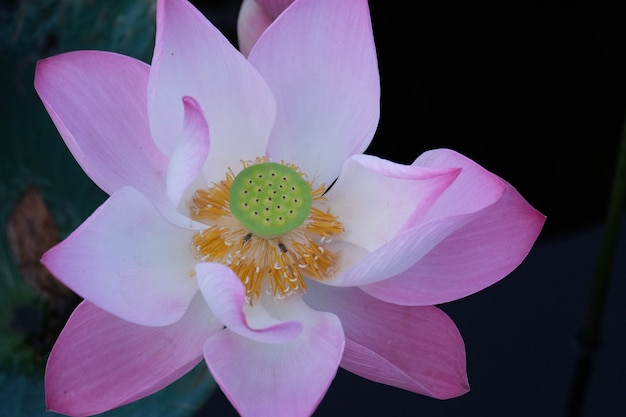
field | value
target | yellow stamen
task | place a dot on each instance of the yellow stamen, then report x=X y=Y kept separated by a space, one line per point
x=282 y=261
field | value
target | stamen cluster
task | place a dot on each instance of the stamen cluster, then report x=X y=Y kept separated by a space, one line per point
x=280 y=261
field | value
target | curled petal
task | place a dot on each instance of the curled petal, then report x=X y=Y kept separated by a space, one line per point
x=224 y=293
x=307 y=73
x=474 y=190
x=474 y=257
x=482 y=229
x=100 y=361
x=128 y=260
x=374 y=198
x=190 y=153
x=414 y=348
x=97 y=101
x=278 y=380
x=236 y=102
x=500 y=229
x=395 y=256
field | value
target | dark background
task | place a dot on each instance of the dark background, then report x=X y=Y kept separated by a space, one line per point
x=536 y=93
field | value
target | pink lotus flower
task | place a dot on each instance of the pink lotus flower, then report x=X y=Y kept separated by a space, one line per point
x=222 y=239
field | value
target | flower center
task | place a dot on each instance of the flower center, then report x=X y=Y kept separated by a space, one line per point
x=270 y=199
x=264 y=224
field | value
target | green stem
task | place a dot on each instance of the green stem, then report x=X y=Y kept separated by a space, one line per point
x=590 y=333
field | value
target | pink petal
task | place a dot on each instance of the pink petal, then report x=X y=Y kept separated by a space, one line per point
x=274 y=7
x=100 y=362
x=474 y=257
x=414 y=348
x=474 y=190
x=278 y=380
x=356 y=267
x=128 y=260
x=224 y=293
x=192 y=58
x=374 y=198
x=327 y=86
x=475 y=194
x=191 y=152
x=252 y=21
x=254 y=17
x=97 y=101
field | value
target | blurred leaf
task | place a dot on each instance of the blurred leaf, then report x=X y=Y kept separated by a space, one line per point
x=34 y=157
x=48 y=27
x=32 y=153
x=22 y=396
x=31 y=231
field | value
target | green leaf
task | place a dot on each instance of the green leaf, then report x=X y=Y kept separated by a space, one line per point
x=32 y=154
x=23 y=396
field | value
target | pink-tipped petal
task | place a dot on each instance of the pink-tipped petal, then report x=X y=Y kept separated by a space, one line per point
x=474 y=190
x=278 y=380
x=100 y=362
x=224 y=293
x=327 y=86
x=374 y=198
x=128 y=260
x=474 y=195
x=499 y=231
x=414 y=348
x=97 y=101
x=192 y=58
x=470 y=259
x=190 y=153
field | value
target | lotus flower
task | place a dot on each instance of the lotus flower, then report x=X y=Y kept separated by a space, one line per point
x=245 y=227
